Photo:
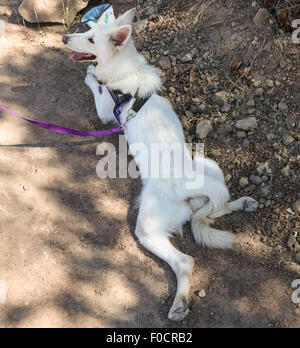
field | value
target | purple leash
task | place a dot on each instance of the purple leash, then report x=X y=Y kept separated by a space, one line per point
x=63 y=130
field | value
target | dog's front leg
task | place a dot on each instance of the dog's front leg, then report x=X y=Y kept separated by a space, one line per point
x=103 y=100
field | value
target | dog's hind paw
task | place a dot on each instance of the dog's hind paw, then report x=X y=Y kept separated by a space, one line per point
x=179 y=311
x=250 y=205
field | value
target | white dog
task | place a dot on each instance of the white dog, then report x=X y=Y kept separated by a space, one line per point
x=165 y=204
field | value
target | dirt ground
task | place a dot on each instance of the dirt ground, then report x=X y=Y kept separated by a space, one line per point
x=69 y=257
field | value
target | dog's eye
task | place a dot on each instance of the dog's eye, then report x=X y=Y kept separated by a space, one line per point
x=92 y=41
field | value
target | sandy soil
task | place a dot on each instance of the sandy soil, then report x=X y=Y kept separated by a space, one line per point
x=68 y=254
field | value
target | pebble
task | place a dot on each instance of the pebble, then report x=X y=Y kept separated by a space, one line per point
x=297 y=257
x=53 y=99
x=262 y=16
x=165 y=63
x=288 y=139
x=244 y=182
x=259 y=92
x=255 y=180
x=201 y=293
x=296 y=207
x=247 y=124
x=226 y=108
x=286 y=171
x=251 y=103
x=282 y=106
x=203 y=128
x=246 y=142
x=187 y=58
x=189 y=114
x=270 y=83
x=291 y=241
x=228 y=177
x=241 y=134
x=267 y=203
x=221 y=98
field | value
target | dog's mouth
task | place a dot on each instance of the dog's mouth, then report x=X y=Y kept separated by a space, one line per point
x=78 y=57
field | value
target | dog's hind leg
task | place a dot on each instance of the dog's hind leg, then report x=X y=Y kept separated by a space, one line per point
x=152 y=234
x=246 y=204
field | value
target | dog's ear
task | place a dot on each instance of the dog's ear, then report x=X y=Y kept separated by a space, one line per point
x=126 y=18
x=121 y=36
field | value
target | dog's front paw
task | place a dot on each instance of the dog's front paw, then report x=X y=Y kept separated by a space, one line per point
x=179 y=310
x=250 y=205
x=91 y=81
x=92 y=71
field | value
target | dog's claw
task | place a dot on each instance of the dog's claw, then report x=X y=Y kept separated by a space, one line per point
x=179 y=313
x=250 y=206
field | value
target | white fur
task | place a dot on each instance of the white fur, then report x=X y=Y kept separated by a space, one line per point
x=165 y=204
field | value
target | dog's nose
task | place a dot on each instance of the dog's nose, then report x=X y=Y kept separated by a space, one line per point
x=65 y=39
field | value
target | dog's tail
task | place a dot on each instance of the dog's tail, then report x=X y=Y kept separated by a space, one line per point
x=207 y=236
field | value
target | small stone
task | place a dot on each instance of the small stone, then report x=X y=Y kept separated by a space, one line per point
x=282 y=106
x=226 y=108
x=288 y=139
x=256 y=180
x=202 y=107
x=259 y=92
x=53 y=99
x=189 y=114
x=262 y=16
x=286 y=171
x=264 y=168
x=267 y=203
x=201 y=293
x=203 y=128
x=297 y=257
x=228 y=177
x=221 y=98
x=265 y=191
x=270 y=83
x=140 y=26
x=165 y=63
x=246 y=142
x=172 y=90
x=254 y=4
x=296 y=207
x=241 y=134
x=187 y=58
x=247 y=124
x=244 y=182
x=251 y=103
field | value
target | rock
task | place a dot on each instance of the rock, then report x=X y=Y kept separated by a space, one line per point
x=251 y=103
x=241 y=134
x=201 y=293
x=264 y=168
x=282 y=106
x=228 y=177
x=165 y=63
x=221 y=98
x=244 y=182
x=189 y=114
x=288 y=139
x=51 y=11
x=286 y=171
x=246 y=142
x=53 y=99
x=265 y=191
x=296 y=207
x=259 y=92
x=256 y=180
x=226 y=108
x=187 y=58
x=297 y=257
x=247 y=124
x=203 y=128
x=270 y=83
x=267 y=203
x=262 y=16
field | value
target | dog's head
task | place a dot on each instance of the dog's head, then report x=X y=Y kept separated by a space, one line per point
x=102 y=42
